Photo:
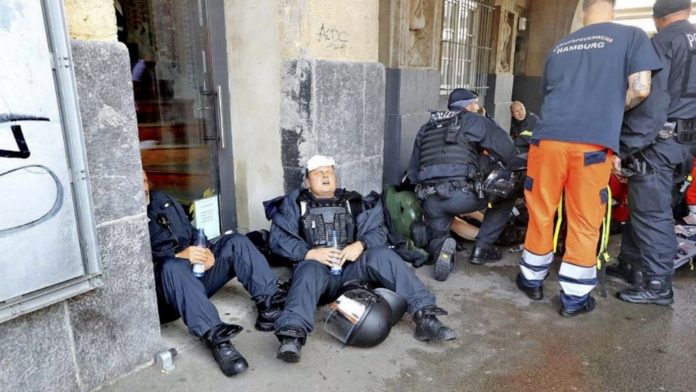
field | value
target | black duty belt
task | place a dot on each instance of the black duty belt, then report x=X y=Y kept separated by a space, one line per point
x=683 y=129
x=426 y=189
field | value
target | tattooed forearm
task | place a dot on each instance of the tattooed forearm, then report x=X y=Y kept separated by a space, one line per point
x=638 y=90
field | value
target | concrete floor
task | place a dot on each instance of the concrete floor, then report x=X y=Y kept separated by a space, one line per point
x=506 y=343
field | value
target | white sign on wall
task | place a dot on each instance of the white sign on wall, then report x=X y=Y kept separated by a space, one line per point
x=207 y=216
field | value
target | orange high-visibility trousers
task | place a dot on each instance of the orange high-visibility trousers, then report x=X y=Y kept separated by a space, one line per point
x=581 y=172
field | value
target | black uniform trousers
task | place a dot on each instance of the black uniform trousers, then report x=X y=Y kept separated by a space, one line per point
x=648 y=241
x=440 y=209
x=313 y=284
x=179 y=293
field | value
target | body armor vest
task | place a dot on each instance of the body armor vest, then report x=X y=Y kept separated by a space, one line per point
x=320 y=218
x=441 y=145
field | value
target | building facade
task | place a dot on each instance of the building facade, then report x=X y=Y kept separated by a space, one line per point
x=221 y=102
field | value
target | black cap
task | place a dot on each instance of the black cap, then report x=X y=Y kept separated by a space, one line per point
x=460 y=94
x=663 y=8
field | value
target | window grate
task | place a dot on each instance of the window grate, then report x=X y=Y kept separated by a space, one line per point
x=466 y=45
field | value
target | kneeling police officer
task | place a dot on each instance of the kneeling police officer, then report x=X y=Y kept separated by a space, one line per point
x=336 y=236
x=445 y=165
x=181 y=294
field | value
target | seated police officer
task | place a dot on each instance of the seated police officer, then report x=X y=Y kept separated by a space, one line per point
x=522 y=126
x=181 y=294
x=445 y=165
x=304 y=225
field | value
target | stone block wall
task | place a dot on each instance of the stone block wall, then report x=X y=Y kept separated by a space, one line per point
x=499 y=98
x=95 y=337
x=333 y=108
x=410 y=94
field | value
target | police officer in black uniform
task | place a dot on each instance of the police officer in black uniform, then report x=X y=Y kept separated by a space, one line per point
x=305 y=225
x=445 y=165
x=654 y=140
x=181 y=294
x=522 y=126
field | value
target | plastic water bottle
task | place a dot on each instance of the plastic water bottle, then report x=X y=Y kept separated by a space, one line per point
x=200 y=241
x=336 y=268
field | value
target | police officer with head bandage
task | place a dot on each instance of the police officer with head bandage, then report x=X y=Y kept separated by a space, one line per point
x=303 y=224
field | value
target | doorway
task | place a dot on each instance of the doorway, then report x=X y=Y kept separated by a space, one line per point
x=180 y=92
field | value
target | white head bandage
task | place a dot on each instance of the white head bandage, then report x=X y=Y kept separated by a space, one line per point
x=318 y=161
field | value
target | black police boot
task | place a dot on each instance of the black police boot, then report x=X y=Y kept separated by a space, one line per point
x=622 y=270
x=228 y=358
x=445 y=259
x=654 y=290
x=429 y=328
x=291 y=341
x=586 y=308
x=535 y=293
x=269 y=309
x=485 y=255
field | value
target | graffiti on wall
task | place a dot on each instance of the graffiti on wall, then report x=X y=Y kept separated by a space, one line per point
x=22 y=151
x=332 y=37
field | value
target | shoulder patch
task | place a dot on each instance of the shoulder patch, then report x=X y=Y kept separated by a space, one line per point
x=439 y=119
x=691 y=40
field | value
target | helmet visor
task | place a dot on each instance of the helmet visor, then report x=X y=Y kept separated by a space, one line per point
x=344 y=317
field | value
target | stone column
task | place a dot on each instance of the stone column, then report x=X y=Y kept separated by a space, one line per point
x=549 y=21
x=410 y=33
x=500 y=79
x=85 y=341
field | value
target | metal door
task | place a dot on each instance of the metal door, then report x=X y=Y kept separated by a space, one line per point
x=181 y=106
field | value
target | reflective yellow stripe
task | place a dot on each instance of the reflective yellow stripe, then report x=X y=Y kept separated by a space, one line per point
x=557 y=231
x=526 y=133
x=603 y=254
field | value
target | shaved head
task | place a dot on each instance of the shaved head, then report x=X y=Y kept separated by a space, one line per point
x=518 y=111
x=587 y=4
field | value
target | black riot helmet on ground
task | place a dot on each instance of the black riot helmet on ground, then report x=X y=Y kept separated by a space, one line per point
x=360 y=318
x=397 y=304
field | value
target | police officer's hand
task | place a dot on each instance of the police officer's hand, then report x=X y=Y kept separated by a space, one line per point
x=209 y=259
x=351 y=252
x=326 y=256
x=194 y=254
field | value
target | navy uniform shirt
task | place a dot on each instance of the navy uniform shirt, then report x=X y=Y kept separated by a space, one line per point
x=585 y=82
x=673 y=93
x=677 y=43
x=170 y=230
